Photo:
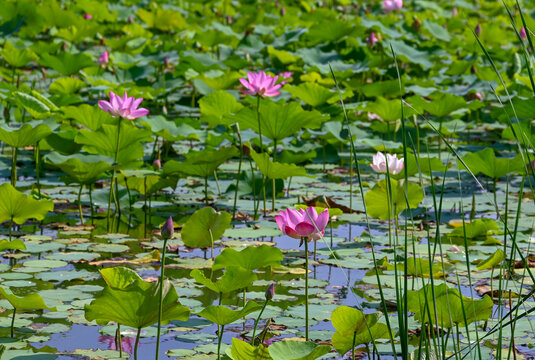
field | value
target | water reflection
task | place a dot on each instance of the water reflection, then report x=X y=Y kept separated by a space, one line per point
x=127 y=343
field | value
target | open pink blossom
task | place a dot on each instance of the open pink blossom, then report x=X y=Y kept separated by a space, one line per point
x=104 y=59
x=395 y=165
x=261 y=84
x=287 y=76
x=392 y=5
x=303 y=223
x=125 y=107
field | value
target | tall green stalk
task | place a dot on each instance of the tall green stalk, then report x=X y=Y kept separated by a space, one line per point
x=13 y=322
x=137 y=343
x=306 y=289
x=114 y=172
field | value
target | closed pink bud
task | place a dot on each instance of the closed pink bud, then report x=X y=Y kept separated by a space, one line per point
x=168 y=229
x=88 y=16
x=523 y=34
x=157 y=164
x=477 y=30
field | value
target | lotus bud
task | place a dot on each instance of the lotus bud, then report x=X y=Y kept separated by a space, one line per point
x=454 y=12
x=473 y=69
x=283 y=10
x=64 y=47
x=477 y=30
x=523 y=34
x=157 y=164
x=88 y=16
x=168 y=229
x=130 y=19
x=270 y=292
x=372 y=39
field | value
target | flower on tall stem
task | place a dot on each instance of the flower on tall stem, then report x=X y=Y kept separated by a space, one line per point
x=125 y=107
x=306 y=225
x=261 y=84
x=523 y=33
x=372 y=39
x=379 y=163
x=166 y=233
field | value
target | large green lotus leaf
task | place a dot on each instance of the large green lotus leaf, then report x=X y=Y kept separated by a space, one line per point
x=412 y=54
x=16 y=244
x=168 y=130
x=443 y=105
x=204 y=226
x=136 y=305
x=27 y=134
x=92 y=117
x=486 y=162
x=17 y=57
x=523 y=131
x=222 y=315
x=202 y=163
x=222 y=81
x=119 y=277
x=276 y=170
x=312 y=94
x=476 y=229
x=145 y=181
x=378 y=203
x=234 y=278
x=451 y=306
x=66 y=63
x=21 y=207
x=104 y=142
x=67 y=85
x=62 y=141
x=388 y=110
x=492 y=261
x=241 y=350
x=284 y=57
x=327 y=31
x=349 y=323
x=162 y=19
x=216 y=105
x=278 y=120
x=28 y=302
x=250 y=258
x=297 y=350
x=81 y=168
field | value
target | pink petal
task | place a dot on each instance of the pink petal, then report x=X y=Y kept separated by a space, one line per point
x=136 y=103
x=106 y=106
x=114 y=100
x=312 y=213
x=294 y=217
x=305 y=229
x=322 y=220
x=138 y=113
x=280 y=222
x=291 y=232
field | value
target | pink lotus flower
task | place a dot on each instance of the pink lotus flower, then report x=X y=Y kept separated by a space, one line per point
x=372 y=39
x=168 y=229
x=523 y=34
x=395 y=165
x=88 y=16
x=300 y=223
x=125 y=107
x=104 y=59
x=287 y=76
x=261 y=84
x=392 y=5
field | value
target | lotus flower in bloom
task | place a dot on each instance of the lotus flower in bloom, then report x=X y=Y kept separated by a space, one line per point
x=523 y=34
x=392 y=5
x=261 y=84
x=395 y=165
x=104 y=59
x=125 y=107
x=287 y=76
x=300 y=223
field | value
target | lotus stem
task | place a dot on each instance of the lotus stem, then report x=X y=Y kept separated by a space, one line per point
x=274 y=189
x=14 y=167
x=353 y=346
x=13 y=323
x=239 y=174
x=80 y=203
x=91 y=202
x=306 y=289
x=145 y=205
x=37 y=176
x=160 y=299
x=257 y=321
x=10 y=227
x=217 y=183
x=219 y=342
x=119 y=344
x=259 y=122
x=206 y=190
x=137 y=343
x=114 y=171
